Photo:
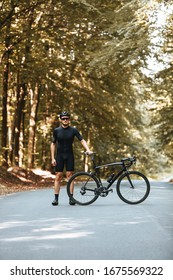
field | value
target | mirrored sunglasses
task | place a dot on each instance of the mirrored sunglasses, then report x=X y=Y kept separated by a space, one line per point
x=64 y=119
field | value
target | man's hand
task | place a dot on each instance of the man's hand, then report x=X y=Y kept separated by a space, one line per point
x=88 y=152
x=54 y=162
x=84 y=144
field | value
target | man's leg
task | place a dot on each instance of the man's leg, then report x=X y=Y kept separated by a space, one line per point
x=68 y=175
x=57 y=185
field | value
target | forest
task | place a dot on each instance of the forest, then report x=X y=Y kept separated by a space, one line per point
x=107 y=62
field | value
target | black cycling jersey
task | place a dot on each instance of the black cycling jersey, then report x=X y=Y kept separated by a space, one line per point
x=64 y=138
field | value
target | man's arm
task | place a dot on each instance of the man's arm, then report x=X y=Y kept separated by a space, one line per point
x=52 y=151
x=84 y=144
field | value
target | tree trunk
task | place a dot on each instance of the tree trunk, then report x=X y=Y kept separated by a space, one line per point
x=34 y=102
x=4 y=112
x=6 y=58
x=86 y=161
x=22 y=91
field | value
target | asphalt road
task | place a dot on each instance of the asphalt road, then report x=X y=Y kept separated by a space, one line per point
x=31 y=228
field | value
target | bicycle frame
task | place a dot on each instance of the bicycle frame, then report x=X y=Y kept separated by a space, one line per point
x=115 y=176
x=132 y=186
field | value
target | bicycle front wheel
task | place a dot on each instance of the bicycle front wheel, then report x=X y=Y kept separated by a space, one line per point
x=82 y=188
x=133 y=187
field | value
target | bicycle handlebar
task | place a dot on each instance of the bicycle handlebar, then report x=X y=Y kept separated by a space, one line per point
x=124 y=161
x=131 y=159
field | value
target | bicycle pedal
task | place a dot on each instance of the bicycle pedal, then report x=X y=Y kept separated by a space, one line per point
x=111 y=190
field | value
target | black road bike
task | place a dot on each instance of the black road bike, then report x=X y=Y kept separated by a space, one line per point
x=132 y=187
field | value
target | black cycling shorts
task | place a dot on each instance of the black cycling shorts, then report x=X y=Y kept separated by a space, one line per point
x=64 y=161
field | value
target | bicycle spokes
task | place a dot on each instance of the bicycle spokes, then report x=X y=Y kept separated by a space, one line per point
x=84 y=190
x=133 y=187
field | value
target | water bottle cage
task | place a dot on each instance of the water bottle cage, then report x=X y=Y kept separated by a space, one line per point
x=109 y=180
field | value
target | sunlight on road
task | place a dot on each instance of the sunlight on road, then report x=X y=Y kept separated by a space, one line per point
x=36 y=229
x=49 y=237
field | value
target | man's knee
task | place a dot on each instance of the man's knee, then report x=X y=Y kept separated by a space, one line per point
x=69 y=174
x=58 y=176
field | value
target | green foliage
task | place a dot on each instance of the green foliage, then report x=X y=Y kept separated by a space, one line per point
x=90 y=57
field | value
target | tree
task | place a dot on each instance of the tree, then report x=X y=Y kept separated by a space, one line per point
x=92 y=58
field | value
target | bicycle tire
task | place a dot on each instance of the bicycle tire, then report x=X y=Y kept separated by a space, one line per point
x=136 y=194
x=85 y=187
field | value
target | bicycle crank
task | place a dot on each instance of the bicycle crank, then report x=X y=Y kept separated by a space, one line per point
x=105 y=192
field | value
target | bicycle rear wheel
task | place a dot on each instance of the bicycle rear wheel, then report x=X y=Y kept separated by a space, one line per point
x=133 y=187
x=84 y=187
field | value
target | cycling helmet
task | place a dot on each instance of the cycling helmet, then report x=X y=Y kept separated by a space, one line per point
x=64 y=114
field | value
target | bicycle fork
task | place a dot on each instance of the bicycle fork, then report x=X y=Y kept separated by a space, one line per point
x=130 y=181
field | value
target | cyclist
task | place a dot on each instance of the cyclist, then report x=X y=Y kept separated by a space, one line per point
x=62 y=152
